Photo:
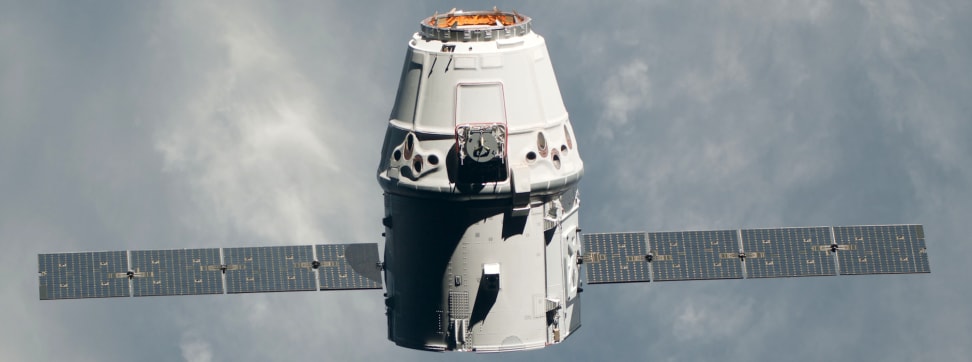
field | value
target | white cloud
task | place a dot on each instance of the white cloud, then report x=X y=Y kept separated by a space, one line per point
x=195 y=349
x=707 y=317
x=252 y=145
x=626 y=91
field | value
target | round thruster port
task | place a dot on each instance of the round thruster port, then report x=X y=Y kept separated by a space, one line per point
x=409 y=146
x=433 y=160
x=542 y=144
x=563 y=150
x=570 y=143
x=397 y=155
x=555 y=157
x=531 y=156
x=417 y=163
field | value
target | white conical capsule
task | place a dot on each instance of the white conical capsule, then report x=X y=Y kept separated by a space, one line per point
x=476 y=254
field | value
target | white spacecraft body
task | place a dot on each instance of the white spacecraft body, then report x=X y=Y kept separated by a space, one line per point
x=482 y=248
x=479 y=168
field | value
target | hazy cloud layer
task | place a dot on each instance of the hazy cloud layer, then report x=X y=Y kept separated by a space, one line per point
x=172 y=125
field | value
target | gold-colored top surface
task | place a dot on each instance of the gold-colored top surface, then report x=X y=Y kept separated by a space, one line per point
x=453 y=20
x=473 y=26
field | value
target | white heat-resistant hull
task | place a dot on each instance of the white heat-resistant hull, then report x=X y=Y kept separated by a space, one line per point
x=479 y=168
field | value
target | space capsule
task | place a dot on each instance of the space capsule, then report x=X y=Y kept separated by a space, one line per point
x=479 y=169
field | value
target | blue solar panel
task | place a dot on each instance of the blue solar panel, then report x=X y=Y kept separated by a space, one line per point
x=616 y=258
x=882 y=249
x=788 y=252
x=176 y=272
x=349 y=266
x=83 y=275
x=695 y=255
x=269 y=269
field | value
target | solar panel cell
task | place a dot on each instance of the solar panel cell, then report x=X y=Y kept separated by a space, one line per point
x=616 y=258
x=176 y=272
x=269 y=269
x=695 y=255
x=349 y=266
x=882 y=249
x=83 y=275
x=788 y=252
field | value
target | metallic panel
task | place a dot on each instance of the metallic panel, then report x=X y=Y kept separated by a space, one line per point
x=788 y=252
x=176 y=272
x=459 y=305
x=269 y=269
x=695 y=255
x=616 y=258
x=83 y=275
x=883 y=249
x=349 y=266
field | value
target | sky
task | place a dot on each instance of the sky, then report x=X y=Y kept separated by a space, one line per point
x=184 y=124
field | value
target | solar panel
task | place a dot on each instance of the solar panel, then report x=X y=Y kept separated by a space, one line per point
x=882 y=249
x=616 y=258
x=788 y=252
x=176 y=272
x=83 y=275
x=349 y=266
x=269 y=269
x=755 y=253
x=695 y=255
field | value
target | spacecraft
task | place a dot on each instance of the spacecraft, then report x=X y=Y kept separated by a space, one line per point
x=483 y=250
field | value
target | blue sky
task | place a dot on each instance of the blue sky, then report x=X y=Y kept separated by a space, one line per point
x=183 y=124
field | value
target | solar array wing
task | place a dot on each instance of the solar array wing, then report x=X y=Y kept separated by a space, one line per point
x=176 y=272
x=349 y=266
x=754 y=253
x=142 y=273
x=83 y=275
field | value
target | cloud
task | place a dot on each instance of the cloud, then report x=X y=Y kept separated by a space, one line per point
x=626 y=91
x=706 y=317
x=251 y=144
x=195 y=349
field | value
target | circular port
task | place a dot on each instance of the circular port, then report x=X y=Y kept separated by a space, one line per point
x=409 y=146
x=397 y=155
x=563 y=149
x=417 y=163
x=531 y=156
x=570 y=144
x=556 y=159
x=433 y=160
x=542 y=144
